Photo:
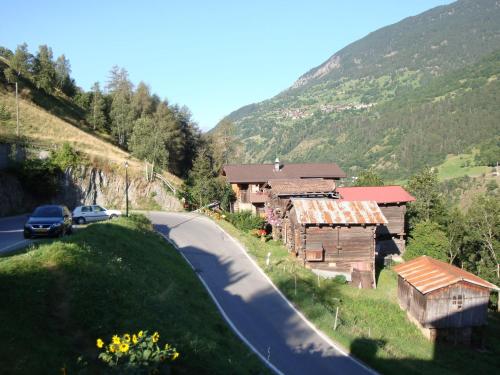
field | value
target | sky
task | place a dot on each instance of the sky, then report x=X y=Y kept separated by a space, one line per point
x=212 y=56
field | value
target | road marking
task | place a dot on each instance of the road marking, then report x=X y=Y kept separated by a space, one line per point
x=12 y=231
x=221 y=310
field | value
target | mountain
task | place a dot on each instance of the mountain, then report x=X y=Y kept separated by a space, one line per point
x=400 y=98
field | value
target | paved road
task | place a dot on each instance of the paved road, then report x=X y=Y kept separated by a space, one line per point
x=11 y=233
x=258 y=312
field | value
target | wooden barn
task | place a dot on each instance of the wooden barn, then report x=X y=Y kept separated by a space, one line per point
x=392 y=200
x=334 y=237
x=446 y=302
x=248 y=180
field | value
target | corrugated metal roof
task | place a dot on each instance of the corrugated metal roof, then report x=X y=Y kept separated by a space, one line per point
x=427 y=274
x=301 y=186
x=261 y=173
x=333 y=211
x=379 y=194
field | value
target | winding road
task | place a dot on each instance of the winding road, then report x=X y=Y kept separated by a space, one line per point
x=247 y=299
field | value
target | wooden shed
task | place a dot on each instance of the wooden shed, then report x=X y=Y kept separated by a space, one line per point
x=446 y=302
x=334 y=237
x=392 y=200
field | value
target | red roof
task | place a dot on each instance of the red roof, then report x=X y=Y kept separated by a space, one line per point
x=427 y=274
x=379 y=194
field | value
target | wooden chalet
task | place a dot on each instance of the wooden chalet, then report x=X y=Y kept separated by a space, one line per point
x=248 y=180
x=392 y=200
x=334 y=237
x=446 y=302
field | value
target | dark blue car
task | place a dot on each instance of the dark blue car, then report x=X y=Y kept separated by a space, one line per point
x=49 y=220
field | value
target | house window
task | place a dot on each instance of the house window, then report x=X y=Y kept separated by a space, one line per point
x=457 y=301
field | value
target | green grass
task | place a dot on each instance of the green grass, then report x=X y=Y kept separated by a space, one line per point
x=119 y=276
x=371 y=324
x=460 y=165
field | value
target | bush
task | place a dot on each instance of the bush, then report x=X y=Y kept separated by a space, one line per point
x=65 y=157
x=245 y=220
x=428 y=239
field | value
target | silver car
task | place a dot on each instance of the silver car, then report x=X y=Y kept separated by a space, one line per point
x=88 y=214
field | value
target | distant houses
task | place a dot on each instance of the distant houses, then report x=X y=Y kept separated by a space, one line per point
x=332 y=230
x=248 y=180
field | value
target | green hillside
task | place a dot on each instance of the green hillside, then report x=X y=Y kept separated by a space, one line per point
x=404 y=96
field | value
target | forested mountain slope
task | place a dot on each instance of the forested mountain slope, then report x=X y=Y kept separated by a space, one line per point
x=403 y=97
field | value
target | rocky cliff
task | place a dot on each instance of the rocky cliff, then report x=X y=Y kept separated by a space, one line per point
x=90 y=185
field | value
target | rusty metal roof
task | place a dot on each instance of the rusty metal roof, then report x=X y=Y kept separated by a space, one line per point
x=427 y=274
x=301 y=186
x=261 y=173
x=334 y=211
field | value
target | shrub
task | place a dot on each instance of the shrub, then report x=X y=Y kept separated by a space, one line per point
x=65 y=157
x=428 y=239
x=245 y=220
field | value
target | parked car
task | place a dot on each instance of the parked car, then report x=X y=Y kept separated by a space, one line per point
x=49 y=220
x=87 y=214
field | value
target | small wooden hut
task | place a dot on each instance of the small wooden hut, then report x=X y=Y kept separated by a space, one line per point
x=446 y=302
x=392 y=200
x=334 y=237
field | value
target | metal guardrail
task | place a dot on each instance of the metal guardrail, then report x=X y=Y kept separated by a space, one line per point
x=210 y=205
x=166 y=182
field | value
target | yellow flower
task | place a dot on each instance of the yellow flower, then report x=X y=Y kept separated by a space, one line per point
x=126 y=337
x=124 y=348
x=167 y=346
x=116 y=340
x=100 y=343
x=112 y=348
x=156 y=336
x=174 y=356
x=140 y=334
x=134 y=339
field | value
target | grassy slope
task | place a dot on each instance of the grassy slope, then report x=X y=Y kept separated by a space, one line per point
x=459 y=166
x=111 y=277
x=46 y=129
x=372 y=326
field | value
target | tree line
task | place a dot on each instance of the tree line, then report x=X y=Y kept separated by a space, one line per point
x=152 y=129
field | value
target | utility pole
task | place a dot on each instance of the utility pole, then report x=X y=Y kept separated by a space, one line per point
x=17 y=113
x=126 y=188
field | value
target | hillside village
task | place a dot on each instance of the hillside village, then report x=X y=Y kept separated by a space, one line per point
x=349 y=224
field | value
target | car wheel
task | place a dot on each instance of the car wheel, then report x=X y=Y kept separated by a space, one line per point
x=80 y=220
x=113 y=217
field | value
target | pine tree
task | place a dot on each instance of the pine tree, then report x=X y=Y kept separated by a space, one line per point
x=44 y=71
x=142 y=103
x=64 y=82
x=20 y=64
x=97 y=116
x=121 y=113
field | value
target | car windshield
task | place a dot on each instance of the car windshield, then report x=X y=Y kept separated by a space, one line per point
x=50 y=211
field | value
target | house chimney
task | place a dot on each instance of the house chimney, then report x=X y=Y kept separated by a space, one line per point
x=277 y=165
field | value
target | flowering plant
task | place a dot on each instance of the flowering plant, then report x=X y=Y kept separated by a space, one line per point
x=137 y=353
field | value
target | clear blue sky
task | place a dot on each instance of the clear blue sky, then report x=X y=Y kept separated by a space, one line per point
x=213 y=56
